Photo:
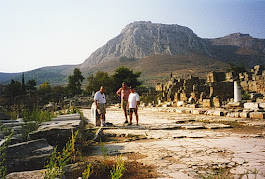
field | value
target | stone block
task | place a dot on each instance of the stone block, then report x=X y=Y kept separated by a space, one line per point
x=251 y=105
x=262 y=105
x=244 y=114
x=218 y=113
x=192 y=126
x=180 y=103
x=187 y=111
x=26 y=175
x=216 y=102
x=237 y=114
x=74 y=170
x=216 y=126
x=30 y=155
x=180 y=111
x=67 y=117
x=257 y=115
x=56 y=132
x=258 y=100
x=198 y=111
x=234 y=104
x=207 y=103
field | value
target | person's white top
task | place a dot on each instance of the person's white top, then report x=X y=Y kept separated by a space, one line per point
x=133 y=98
x=100 y=97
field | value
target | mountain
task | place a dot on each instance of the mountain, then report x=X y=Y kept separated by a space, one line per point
x=141 y=39
x=8 y=76
x=159 y=49
x=54 y=75
x=240 y=49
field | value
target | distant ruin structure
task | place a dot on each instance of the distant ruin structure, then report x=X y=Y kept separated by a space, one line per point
x=218 y=88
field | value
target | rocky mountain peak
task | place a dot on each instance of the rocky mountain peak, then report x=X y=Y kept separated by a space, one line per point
x=143 y=38
x=237 y=35
x=242 y=41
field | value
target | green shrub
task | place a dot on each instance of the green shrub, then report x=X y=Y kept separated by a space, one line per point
x=246 y=96
x=59 y=160
x=103 y=149
x=27 y=128
x=3 y=169
x=36 y=115
x=87 y=172
x=5 y=130
x=118 y=168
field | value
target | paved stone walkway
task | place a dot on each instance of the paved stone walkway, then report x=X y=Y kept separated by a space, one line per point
x=182 y=146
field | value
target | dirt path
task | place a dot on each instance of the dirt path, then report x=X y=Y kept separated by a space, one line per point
x=167 y=143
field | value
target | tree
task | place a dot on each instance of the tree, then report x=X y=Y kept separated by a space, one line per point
x=112 y=83
x=58 y=93
x=100 y=79
x=75 y=82
x=31 y=85
x=236 y=69
x=45 y=88
x=23 y=87
x=123 y=74
x=13 y=89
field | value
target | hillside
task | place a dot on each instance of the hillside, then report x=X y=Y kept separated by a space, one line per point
x=157 y=68
x=240 y=49
x=55 y=75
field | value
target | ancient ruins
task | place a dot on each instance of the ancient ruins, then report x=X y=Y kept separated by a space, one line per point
x=220 y=89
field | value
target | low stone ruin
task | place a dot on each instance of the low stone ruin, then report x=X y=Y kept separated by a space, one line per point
x=34 y=153
x=216 y=90
x=220 y=90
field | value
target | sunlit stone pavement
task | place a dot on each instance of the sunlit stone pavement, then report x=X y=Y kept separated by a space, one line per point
x=182 y=146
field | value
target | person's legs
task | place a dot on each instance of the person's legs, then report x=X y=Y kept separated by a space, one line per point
x=102 y=112
x=130 y=115
x=124 y=106
x=125 y=114
x=102 y=120
x=136 y=115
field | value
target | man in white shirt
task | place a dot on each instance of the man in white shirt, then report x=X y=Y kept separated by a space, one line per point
x=133 y=102
x=100 y=101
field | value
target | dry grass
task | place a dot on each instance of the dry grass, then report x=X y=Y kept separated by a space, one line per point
x=133 y=169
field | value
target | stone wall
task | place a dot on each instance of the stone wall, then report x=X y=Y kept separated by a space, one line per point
x=253 y=81
x=215 y=77
x=217 y=84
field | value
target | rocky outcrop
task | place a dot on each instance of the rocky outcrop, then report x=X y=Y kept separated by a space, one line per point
x=241 y=40
x=141 y=39
x=239 y=49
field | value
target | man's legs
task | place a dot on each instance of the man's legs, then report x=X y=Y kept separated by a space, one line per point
x=125 y=114
x=124 y=106
x=102 y=119
x=102 y=112
x=130 y=115
x=136 y=115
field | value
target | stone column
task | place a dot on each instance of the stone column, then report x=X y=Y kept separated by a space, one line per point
x=237 y=92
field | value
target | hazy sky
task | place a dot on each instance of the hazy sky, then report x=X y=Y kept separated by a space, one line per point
x=37 y=33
